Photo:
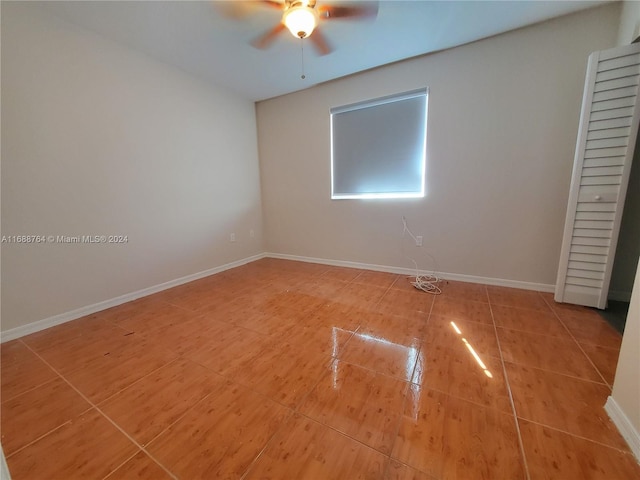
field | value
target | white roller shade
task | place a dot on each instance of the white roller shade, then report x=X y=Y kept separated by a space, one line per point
x=378 y=147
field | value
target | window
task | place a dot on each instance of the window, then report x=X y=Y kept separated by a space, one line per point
x=378 y=147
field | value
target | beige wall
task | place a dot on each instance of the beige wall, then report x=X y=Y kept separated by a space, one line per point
x=503 y=117
x=629 y=22
x=626 y=387
x=97 y=139
x=628 y=247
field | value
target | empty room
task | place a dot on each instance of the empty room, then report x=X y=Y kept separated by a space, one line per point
x=391 y=240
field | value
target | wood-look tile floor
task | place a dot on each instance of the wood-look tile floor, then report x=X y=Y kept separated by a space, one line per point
x=287 y=370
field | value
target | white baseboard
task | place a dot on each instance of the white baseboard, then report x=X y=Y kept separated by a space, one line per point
x=33 y=327
x=4 y=469
x=539 y=287
x=624 y=425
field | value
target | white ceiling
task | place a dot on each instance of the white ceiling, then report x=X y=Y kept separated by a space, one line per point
x=197 y=37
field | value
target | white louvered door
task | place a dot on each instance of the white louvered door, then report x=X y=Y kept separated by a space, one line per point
x=604 y=150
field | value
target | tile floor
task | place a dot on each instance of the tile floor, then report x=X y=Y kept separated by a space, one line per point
x=287 y=370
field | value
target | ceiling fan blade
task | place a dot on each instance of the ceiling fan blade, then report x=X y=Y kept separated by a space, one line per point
x=273 y=4
x=320 y=42
x=354 y=10
x=264 y=40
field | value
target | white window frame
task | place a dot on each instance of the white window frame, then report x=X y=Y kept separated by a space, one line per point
x=418 y=193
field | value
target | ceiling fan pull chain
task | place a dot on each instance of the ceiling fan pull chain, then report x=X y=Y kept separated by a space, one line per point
x=302 y=58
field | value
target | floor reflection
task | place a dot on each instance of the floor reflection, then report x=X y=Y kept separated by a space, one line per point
x=411 y=352
x=471 y=349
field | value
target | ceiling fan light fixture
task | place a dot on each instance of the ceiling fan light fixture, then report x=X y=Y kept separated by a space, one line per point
x=300 y=20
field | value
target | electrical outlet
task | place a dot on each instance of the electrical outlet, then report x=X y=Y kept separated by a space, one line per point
x=252 y=233
x=232 y=237
x=419 y=241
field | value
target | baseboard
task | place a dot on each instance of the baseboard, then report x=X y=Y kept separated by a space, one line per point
x=619 y=296
x=33 y=327
x=539 y=287
x=4 y=469
x=624 y=425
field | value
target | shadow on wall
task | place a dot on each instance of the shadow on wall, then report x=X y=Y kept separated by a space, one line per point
x=628 y=250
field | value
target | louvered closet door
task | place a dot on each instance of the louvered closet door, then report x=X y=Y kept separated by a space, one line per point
x=604 y=150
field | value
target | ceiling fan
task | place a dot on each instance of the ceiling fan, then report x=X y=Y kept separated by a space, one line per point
x=302 y=18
